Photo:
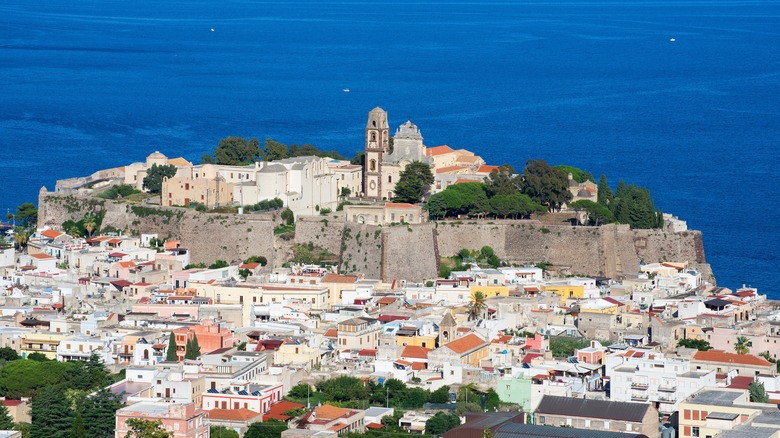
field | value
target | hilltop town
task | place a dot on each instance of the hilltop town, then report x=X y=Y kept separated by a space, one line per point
x=410 y=290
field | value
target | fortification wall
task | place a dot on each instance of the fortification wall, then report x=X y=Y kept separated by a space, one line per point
x=362 y=250
x=401 y=252
x=409 y=253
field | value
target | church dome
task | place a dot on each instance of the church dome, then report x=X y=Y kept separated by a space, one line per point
x=584 y=194
x=408 y=130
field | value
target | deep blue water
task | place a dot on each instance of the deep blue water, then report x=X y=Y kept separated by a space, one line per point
x=86 y=85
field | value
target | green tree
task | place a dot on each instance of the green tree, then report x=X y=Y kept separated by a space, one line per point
x=562 y=347
x=222 y=432
x=26 y=215
x=90 y=222
x=287 y=216
x=300 y=391
x=219 y=264
x=8 y=354
x=188 y=349
x=577 y=175
x=20 y=237
x=502 y=181
x=244 y=273
x=195 y=347
x=358 y=158
x=477 y=306
x=345 y=192
x=51 y=414
x=257 y=259
x=237 y=151
x=440 y=423
x=605 y=195
x=492 y=400
x=441 y=395
x=37 y=357
x=343 y=388
x=140 y=428
x=445 y=203
x=742 y=346
x=99 y=412
x=545 y=184
x=758 y=392
x=414 y=183
x=6 y=421
x=78 y=430
x=597 y=213
x=699 y=344
x=272 y=428
x=170 y=355
x=273 y=150
x=154 y=177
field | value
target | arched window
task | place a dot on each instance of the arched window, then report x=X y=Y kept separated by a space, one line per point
x=373 y=136
x=372 y=165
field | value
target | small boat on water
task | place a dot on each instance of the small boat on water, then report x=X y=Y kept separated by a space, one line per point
x=346 y=90
x=672 y=40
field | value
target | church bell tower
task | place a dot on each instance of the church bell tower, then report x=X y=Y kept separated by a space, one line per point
x=377 y=144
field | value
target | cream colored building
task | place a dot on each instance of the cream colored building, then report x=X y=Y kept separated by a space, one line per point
x=44 y=343
x=383 y=214
x=181 y=191
x=297 y=353
x=714 y=412
x=359 y=333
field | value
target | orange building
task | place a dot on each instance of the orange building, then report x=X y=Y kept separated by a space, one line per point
x=211 y=336
x=185 y=420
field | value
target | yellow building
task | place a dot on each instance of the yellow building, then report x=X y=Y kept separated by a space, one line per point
x=427 y=341
x=712 y=411
x=336 y=284
x=565 y=291
x=44 y=343
x=291 y=353
x=181 y=191
x=489 y=291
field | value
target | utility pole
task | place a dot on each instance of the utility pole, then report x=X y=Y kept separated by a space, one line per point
x=308 y=402
x=387 y=396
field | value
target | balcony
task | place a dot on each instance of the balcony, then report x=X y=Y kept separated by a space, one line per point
x=639 y=385
x=667 y=388
x=639 y=397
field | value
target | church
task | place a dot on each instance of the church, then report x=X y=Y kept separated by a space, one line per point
x=386 y=157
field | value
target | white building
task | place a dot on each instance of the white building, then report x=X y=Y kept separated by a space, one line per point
x=646 y=376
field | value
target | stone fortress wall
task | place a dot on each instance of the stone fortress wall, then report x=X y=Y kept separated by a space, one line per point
x=402 y=252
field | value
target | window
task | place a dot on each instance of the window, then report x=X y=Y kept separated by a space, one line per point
x=541 y=419
x=695 y=431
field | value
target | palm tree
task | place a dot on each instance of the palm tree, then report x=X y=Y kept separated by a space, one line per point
x=20 y=237
x=477 y=306
x=741 y=346
x=90 y=222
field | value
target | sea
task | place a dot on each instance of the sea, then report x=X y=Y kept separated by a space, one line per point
x=681 y=97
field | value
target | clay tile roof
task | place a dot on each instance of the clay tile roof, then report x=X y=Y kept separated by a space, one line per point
x=741 y=382
x=723 y=357
x=415 y=352
x=463 y=180
x=466 y=343
x=127 y=264
x=233 y=414
x=330 y=412
x=367 y=352
x=398 y=205
x=11 y=403
x=487 y=169
x=417 y=366
x=501 y=339
x=332 y=333
x=450 y=169
x=180 y=161
x=403 y=362
x=277 y=411
x=51 y=234
x=41 y=256
x=118 y=255
x=114 y=241
x=386 y=300
x=374 y=426
x=249 y=265
x=336 y=278
x=438 y=150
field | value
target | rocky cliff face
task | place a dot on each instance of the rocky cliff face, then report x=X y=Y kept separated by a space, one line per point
x=408 y=252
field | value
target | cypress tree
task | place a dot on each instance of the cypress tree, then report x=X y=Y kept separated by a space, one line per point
x=78 y=430
x=170 y=355
x=195 y=348
x=6 y=421
x=99 y=413
x=188 y=349
x=605 y=195
x=51 y=414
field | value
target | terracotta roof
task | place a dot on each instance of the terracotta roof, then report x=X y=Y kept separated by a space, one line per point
x=127 y=264
x=723 y=357
x=117 y=255
x=466 y=343
x=332 y=333
x=417 y=366
x=531 y=356
x=249 y=265
x=613 y=301
x=741 y=382
x=41 y=256
x=11 y=403
x=450 y=169
x=438 y=150
x=180 y=161
x=336 y=278
x=487 y=169
x=367 y=352
x=415 y=352
x=233 y=414
x=464 y=180
x=374 y=426
x=330 y=412
x=501 y=339
x=114 y=241
x=51 y=234
x=405 y=363
x=386 y=300
x=277 y=411
x=398 y=205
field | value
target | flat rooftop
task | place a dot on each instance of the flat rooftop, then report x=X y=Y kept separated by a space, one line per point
x=715 y=397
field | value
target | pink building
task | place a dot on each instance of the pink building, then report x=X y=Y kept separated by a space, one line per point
x=185 y=420
x=211 y=336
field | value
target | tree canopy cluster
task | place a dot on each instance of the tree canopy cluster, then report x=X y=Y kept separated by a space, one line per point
x=629 y=204
x=118 y=191
x=239 y=151
x=154 y=177
x=480 y=200
x=414 y=183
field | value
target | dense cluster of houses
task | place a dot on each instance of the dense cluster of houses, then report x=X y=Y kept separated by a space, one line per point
x=124 y=299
